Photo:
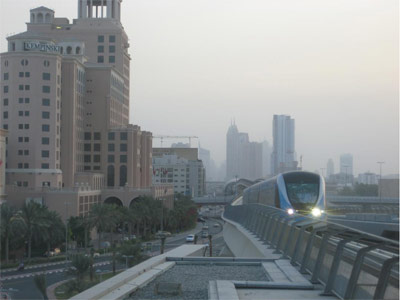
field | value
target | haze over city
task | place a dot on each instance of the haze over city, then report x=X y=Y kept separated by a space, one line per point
x=196 y=65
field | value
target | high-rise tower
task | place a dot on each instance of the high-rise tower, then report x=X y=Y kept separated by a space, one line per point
x=283 y=157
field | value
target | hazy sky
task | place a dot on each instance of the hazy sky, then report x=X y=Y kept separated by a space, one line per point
x=332 y=65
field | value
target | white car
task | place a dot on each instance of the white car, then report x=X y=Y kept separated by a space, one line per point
x=190 y=238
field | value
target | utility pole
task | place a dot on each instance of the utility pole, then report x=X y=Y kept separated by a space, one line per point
x=380 y=179
x=66 y=235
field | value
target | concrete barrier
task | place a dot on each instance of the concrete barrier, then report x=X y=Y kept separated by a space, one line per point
x=130 y=280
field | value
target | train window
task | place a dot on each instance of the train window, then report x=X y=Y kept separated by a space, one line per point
x=302 y=192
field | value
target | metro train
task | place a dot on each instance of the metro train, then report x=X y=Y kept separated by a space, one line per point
x=295 y=192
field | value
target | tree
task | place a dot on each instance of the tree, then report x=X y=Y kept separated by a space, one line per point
x=54 y=232
x=80 y=265
x=100 y=217
x=34 y=222
x=8 y=222
x=40 y=282
x=130 y=253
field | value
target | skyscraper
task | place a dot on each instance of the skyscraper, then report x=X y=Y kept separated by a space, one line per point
x=330 y=168
x=283 y=157
x=243 y=158
x=266 y=159
x=346 y=164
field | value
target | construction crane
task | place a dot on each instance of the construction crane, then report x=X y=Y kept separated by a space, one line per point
x=162 y=137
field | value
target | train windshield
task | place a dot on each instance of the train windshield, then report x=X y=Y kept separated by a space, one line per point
x=306 y=193
x=302 y=189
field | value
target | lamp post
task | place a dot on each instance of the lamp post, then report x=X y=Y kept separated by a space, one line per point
x=380 y=179
x=126 y=260
x=66 y=234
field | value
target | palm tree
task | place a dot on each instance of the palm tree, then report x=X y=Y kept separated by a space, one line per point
x=54 y=232
x=8 y=220
x=40 y=282
x=81 y=265
x=34 y=221
x=100 y=217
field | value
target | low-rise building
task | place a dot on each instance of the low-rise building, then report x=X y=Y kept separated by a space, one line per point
x=3 y=136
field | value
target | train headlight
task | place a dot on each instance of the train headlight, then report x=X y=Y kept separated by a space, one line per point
x=290 y=211
x=316 y=212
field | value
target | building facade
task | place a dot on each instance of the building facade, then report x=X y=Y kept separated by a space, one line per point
x=283 y=157
x=65 y=102
x=346 y=164
x=3 y=136
x=244 y=159
x=330 y=168
x=180 y=167
x=368 y=178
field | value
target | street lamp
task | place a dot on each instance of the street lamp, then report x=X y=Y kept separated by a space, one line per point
x=66 y=234
x=126 y=260
x=380 y=179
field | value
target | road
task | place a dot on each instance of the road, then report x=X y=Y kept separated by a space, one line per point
x=20 y=285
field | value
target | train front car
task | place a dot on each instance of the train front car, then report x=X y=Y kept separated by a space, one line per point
x=302 y=192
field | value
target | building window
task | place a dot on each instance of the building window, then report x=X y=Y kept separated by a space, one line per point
x=111 y=59
x=26 y=126
x=20 y=165
x=46 y=89
x=87 y=168
x=20 y=100
x=45 y=141
x=45 y=166
x=111 y=49
x=122 y=158
x=20 y=152
x=5 y=126
x=27 y=100
x=21 y=74
x=88 y=136
x=27 y=74
x=26 y=113
x=69 y=50
x=21 y=87
x=27 y=87
x=26 y=139
x=46 y=102
x=111 y=136
x=20 y=139
x=87 y=147
x=96 y=158
x=97 y=136
x=26 y=166
x=45 y=153
x=111 y=147
x=24 y=62
x=45 y=128
x=5 y=102
x=46 y=63
x=110 y=176
x=100 y=49
x=5 y=114
x=123 y=136
x=100 y=59
x=5 y=76
x=26 y=152
x=123 y=175
x=96 y=147
x=123 y=147
x=45 y=115
x=110 y=158
x=100 y=39
x=5 y=89
x=46 y=76
x=112 y=38
x=87 y=158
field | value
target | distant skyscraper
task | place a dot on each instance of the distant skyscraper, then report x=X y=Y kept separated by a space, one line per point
x=330 y=168
x=232 y=152
x=346 y=164
x=244 y=158
x=266 y=159
x=283 y=157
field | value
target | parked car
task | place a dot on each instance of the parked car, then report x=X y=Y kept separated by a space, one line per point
x=204 y=234
x=190 y=238
x=163 y=233
x=216 y=225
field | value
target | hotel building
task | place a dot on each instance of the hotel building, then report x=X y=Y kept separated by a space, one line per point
x=65 y=104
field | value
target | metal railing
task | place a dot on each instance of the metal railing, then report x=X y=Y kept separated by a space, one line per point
x=350 y=264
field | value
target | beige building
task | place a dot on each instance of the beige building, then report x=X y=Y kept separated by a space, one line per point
x=65 y=103
x=3 y=136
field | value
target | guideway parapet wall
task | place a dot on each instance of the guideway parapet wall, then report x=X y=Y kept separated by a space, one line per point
x=351 y=264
